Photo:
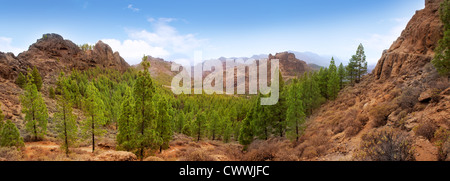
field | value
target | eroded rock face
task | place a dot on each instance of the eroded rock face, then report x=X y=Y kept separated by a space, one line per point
x=289 y=65
x=53 y=53
x=414 y=48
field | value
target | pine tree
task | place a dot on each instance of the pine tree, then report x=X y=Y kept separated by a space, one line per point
x=341 y=75
x=126 y=123
x=199 y=125
x=323 y=82
x=51 y=93
x=227 y=130
x=145 y=116
x=35 y=110
x=94 y=109
x=361 y=64
x=163 y=123
x=10 y=136
x=295 y=112
x=246 y=132
x=21 y=80
x=333 y=81
x=66 y=124
x=352 y=70
x=262 y=120
x=280 y=109
x=214 y=124
x=180 y=121
x=37 y=79
x=441 y=60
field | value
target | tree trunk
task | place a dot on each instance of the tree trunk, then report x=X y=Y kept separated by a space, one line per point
x=93 y=134
x=65 y=131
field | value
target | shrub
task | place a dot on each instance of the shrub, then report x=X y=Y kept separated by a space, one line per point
x=260 y=151
x=408 y=98
x=380 y=114
x=10 y=136
x=442 y=137
x=426 y=129
x=386 y=144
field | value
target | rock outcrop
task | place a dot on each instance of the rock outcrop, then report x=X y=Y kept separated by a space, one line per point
x=414 y=48
x=289 y=65
x=53 y=53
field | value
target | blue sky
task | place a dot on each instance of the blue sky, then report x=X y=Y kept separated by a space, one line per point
x=174 y=29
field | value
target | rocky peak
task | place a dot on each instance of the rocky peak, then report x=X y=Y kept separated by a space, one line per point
x=289 y=65
x=414 y=48
x=52 y=53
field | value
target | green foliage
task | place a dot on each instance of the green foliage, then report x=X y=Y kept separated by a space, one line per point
x=126 y=123
x=37 y=79
x=341 y=74
x=246 y=132
x=333 y=81
x=441 y=60
x=357 y=66
x=51 y=93
x=295 y=112
x=35 y=110
x=145 y=115
x=164 y=122
x=94 y=110
x=66 y=124
x=199 y=125
x=86 y=47
x=21 y=80
x=214 y=125
x=10 y=135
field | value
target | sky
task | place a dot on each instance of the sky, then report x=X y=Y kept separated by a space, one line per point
x=175 y=29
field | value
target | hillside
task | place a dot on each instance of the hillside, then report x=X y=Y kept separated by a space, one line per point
x=404 y=93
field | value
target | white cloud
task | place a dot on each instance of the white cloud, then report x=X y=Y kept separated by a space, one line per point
x=163 y=41
x=374 y=44
x=5 y=46
x=130 y=6
x=133 y=50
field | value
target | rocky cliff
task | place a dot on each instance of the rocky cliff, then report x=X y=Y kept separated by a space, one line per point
x=404 y=93
x=414 y=48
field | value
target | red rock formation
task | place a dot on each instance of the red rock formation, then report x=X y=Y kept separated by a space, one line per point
x=414 y=48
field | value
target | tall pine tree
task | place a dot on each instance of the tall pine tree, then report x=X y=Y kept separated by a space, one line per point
x=333 y=81
x=94 y=108
x=295 y=112
x=66 y=124
x=145 y=115
x=35 y=110
x=126 y=136
x=341 y=75
x=164 y=123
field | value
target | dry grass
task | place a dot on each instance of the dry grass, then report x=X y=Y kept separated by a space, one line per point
x=196 y=154
x=10 y=154
x=273 y=149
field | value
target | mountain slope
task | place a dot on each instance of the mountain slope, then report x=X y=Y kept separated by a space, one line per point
x=404 y=93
